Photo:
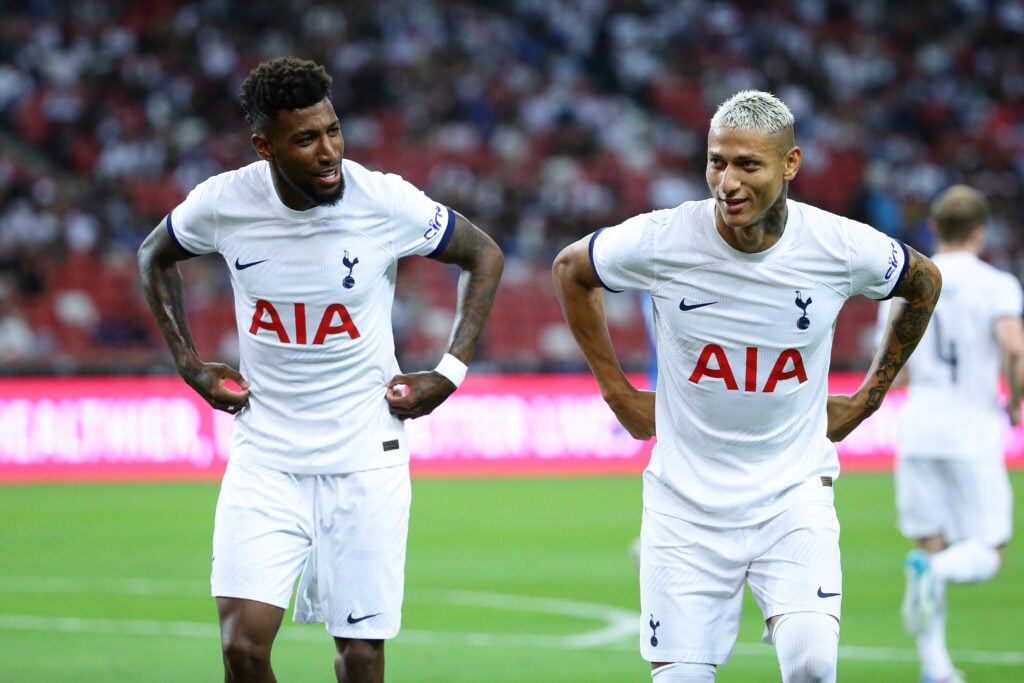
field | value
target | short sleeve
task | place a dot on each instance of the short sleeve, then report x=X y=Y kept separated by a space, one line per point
x=878 y=262
x=192 y=224
x=421 y=225
x=621 y=255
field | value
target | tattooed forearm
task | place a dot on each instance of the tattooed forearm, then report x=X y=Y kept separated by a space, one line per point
x=919 y=290
x=166 y=299
x=477 y=289
x=889 y=366
x=162 y=286
x=482 y=263
x=875 y=397
x=885 y=374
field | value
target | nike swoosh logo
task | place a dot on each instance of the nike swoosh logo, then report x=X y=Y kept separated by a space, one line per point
x=683 y=306
x=822 y=594
x=242 y=266
x=356 y=620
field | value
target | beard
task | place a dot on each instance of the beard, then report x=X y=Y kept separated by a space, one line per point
x=304 y=192
x=329 y=198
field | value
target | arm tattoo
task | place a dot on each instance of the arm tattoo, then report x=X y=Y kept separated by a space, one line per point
x=482 y=263
x=911 y=325
x=888 y=367
x=166 y=299
x=920 y=288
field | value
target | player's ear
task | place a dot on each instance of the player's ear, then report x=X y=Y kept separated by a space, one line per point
x=262 y=146
x=792 y=160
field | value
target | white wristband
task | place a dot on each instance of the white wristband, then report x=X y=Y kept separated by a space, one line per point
x=452 y=368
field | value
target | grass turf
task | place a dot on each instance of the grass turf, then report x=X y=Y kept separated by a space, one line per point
x=508 y=580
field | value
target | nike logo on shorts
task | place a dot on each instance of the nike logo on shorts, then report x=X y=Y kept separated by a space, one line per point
x=356 y=620
x=822 y=594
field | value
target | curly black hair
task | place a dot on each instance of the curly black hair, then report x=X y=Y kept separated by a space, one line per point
x=279 y=84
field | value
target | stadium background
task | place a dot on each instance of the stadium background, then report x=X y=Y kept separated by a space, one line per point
x=541 y=120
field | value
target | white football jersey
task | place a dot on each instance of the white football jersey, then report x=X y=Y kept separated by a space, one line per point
x=952 y=408
x=743 y=346
x=313 y=295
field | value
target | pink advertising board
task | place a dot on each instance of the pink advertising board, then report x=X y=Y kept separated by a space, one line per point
x=152 y=428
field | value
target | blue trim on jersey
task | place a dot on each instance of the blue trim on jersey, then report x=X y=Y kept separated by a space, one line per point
x=170 y=232
x=593 y=266
x=906 y=264
x=448 y=232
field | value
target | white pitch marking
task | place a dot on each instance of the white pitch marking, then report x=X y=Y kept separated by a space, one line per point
x=297 y=632
x=184 y=629
x=621 y=623
x=85 y=586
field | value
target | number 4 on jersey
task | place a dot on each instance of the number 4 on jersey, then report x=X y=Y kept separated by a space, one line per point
x=945 y=347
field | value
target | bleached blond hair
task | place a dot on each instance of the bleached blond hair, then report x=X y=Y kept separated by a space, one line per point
x=753 y=110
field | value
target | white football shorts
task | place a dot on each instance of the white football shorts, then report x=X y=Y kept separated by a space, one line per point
x=692 y=578
x=344 y=535
x=959 y=499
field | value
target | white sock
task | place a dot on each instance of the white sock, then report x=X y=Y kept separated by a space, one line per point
x=807 y=645
x=966 y=562
x=931 y=647
x=684 y=672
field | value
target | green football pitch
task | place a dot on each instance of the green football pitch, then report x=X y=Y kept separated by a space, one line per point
x=508 y=580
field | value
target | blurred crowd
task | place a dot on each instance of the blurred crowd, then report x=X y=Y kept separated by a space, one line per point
x=541 y=120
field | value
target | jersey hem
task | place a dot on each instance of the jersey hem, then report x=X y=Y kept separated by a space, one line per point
x=809 y=490
x=290 y=467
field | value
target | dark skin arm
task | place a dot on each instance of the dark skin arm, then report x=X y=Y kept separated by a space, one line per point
x=481 y=262
x=580 y=296
x=908 y=320
x=161 y=282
